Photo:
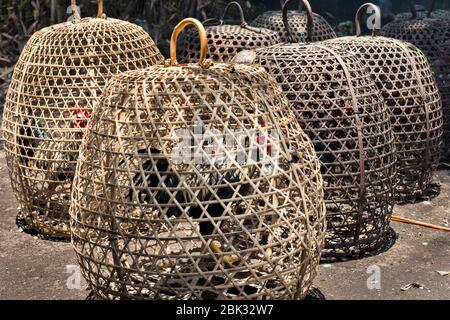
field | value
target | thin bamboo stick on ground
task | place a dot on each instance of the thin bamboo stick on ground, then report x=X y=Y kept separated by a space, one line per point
x=418 y=223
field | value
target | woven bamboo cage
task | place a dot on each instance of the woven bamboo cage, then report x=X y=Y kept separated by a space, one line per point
x=196 y=182
x=224 y=40
x=417 y=11
x=54 y=88
x=341 y=109
x=441 y=68
x=429 y=35
x=405 y=78
x=273 y=20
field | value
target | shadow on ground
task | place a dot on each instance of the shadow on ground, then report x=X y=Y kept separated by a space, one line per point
x=37 y=269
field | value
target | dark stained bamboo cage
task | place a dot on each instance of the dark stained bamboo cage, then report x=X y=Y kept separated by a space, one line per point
x=196 y=182
x=440 y=63
x=429 y=35
x=417 y=11
x=273 y=20
x=404 y=76
x=341 y=109
x=54 y=88
x=225 y=40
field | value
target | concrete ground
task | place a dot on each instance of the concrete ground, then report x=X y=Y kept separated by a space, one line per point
x=36 y=269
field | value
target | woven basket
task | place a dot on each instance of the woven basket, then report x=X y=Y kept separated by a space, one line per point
x=441 y=69
x=405 y=78
x=55 y=86
x=273 y=20
x=225 y=41
x=341 y=109
x=420 y=12
x=196 y=182
x=429 y=35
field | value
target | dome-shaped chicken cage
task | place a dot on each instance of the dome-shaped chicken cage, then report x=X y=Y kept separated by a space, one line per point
x=404 y=76
x=429 y=35
x=54 y=88
x=225 y=40
x=273 y=20
x=196 y=182
x=417 y=11
x=440 y=63
x=340 y=107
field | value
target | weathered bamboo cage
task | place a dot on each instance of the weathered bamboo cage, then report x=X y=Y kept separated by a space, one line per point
x=54 y=88
x=440 y=60
x=421 y=12
x=404 y=76
x=341 y=109
x=224 y=40
x=196 y=182
x=273 y=20
x=429 y=35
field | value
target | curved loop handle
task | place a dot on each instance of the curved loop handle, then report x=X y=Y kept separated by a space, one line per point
x=212 y=22
x=432 y=8
x=100 y=13
x=300 y=5
x=412 y=7
x=76 y=14
x=309 y=25
x=203 y=62
x=241 y=13
x=359 y=14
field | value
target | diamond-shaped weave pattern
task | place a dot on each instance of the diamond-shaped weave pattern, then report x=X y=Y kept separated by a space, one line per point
x=341 y=109
x=441 y=69
x=55 y=86
x=273 y=20
x=405 y=78
x=225 y=41
x=149 y=224
x=430 y=36
x=436 y=14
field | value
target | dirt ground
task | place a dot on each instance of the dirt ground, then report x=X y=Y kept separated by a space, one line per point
x=36 y=269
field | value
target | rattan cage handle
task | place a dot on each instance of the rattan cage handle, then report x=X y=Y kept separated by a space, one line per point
x=243 y=24
x=100 y=13
x=212 y=21
x=241 y=13
x=310 y=21
x=203 y=62
x=359 y=14
x=432 y=8
x=300 y=5
x=412 y=7
x=75 y=12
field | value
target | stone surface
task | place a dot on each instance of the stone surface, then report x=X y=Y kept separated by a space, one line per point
x=37 y=269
